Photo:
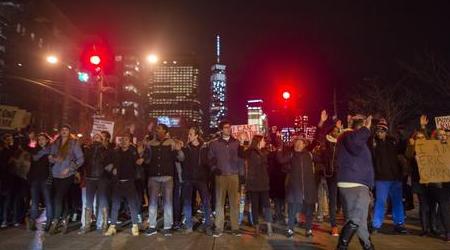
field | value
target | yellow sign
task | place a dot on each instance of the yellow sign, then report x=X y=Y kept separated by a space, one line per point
x=433 y=160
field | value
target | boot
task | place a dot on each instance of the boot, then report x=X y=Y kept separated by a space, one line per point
x=256 y=230
x=111 y=231
x=87 y=221
x=105 y=219
x=135 y=230
x=53 y=226
x=365 y=247
x=269 y=229
x=65 y=225
x=346 y=235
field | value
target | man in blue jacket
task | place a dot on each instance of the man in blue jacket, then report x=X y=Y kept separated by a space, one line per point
x=224 y=156
x=355 y=178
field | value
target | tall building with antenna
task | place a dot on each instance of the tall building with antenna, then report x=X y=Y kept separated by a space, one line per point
x=218 y=106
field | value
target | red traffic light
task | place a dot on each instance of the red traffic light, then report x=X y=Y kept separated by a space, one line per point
x=95 y=60
x=286 y=95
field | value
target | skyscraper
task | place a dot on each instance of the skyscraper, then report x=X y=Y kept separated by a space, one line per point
x=130 y=86
x=173 y=91
x=256 y=115
x=218 y=106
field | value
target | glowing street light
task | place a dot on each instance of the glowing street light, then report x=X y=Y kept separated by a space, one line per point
x=52 y=59
x=152 y=58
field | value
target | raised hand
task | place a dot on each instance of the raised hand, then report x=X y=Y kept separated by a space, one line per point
x=423 y=121
x=323 y=116
x=368 y=122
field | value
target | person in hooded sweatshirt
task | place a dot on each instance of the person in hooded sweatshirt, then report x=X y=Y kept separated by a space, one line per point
x=355 y=179
x=66 y=157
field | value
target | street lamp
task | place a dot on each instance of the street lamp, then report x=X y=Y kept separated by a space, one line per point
x=52 y=59
x=152 y=58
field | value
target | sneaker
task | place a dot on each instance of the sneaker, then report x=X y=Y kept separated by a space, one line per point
x=4 y=225
x=135 y=230
x=400 y=229
x=217 y=234
x=290 y=233
x=16 y=224
x=111 y=231
x=188 y=230
x=150 y=231
x=334 y=232
x=309 y=233
x=236 y=233
x=167 y=232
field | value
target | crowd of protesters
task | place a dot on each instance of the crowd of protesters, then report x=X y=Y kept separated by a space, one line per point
x=194 y=184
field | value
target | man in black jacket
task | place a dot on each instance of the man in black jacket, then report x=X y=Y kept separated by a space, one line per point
x=195 y=177
x=96 y=181
x=125 y=162
x=161 y=170
x=388 y=179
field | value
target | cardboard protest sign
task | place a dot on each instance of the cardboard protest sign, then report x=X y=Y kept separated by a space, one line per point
x=13 y=117
x=443 y=122
x=433 y=160
x=246 y=131
x=102 y=125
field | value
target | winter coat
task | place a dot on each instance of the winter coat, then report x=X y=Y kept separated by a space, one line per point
x=386 y=161
x=195 y=164
x=354 y=158
x=40 y=165
x=300 y=182
x=257 y=178
x=72 y=161
x=277 y=177
x=97 y=157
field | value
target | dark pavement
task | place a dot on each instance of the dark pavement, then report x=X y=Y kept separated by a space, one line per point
x=19 y=238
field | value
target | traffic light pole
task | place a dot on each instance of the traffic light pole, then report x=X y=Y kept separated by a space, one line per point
x=100 y=80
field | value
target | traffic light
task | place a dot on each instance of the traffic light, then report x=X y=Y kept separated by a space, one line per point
x=83 y=77
x=97 y=56
x=286 y=95
x=95 y=60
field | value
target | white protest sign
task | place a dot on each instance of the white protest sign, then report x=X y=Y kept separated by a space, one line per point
x=443 y=122
x=102 y=125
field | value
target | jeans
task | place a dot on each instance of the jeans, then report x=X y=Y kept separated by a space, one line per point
x=124 y=190
x=188 y=193
x=154 y=187
x=279 y=209
x=61 y=187
x=260 y=200
x=177 y=201
x=332 y=198
x=227 y=184
x=39 y=188
x=393 y=189
x=356 y=209
x=294 y=208
x=96 y=192
x=441 y=195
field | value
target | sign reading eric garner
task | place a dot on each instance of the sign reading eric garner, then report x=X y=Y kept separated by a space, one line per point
x=433 y=161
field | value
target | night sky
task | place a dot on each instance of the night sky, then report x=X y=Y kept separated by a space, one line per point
x=304 y=46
